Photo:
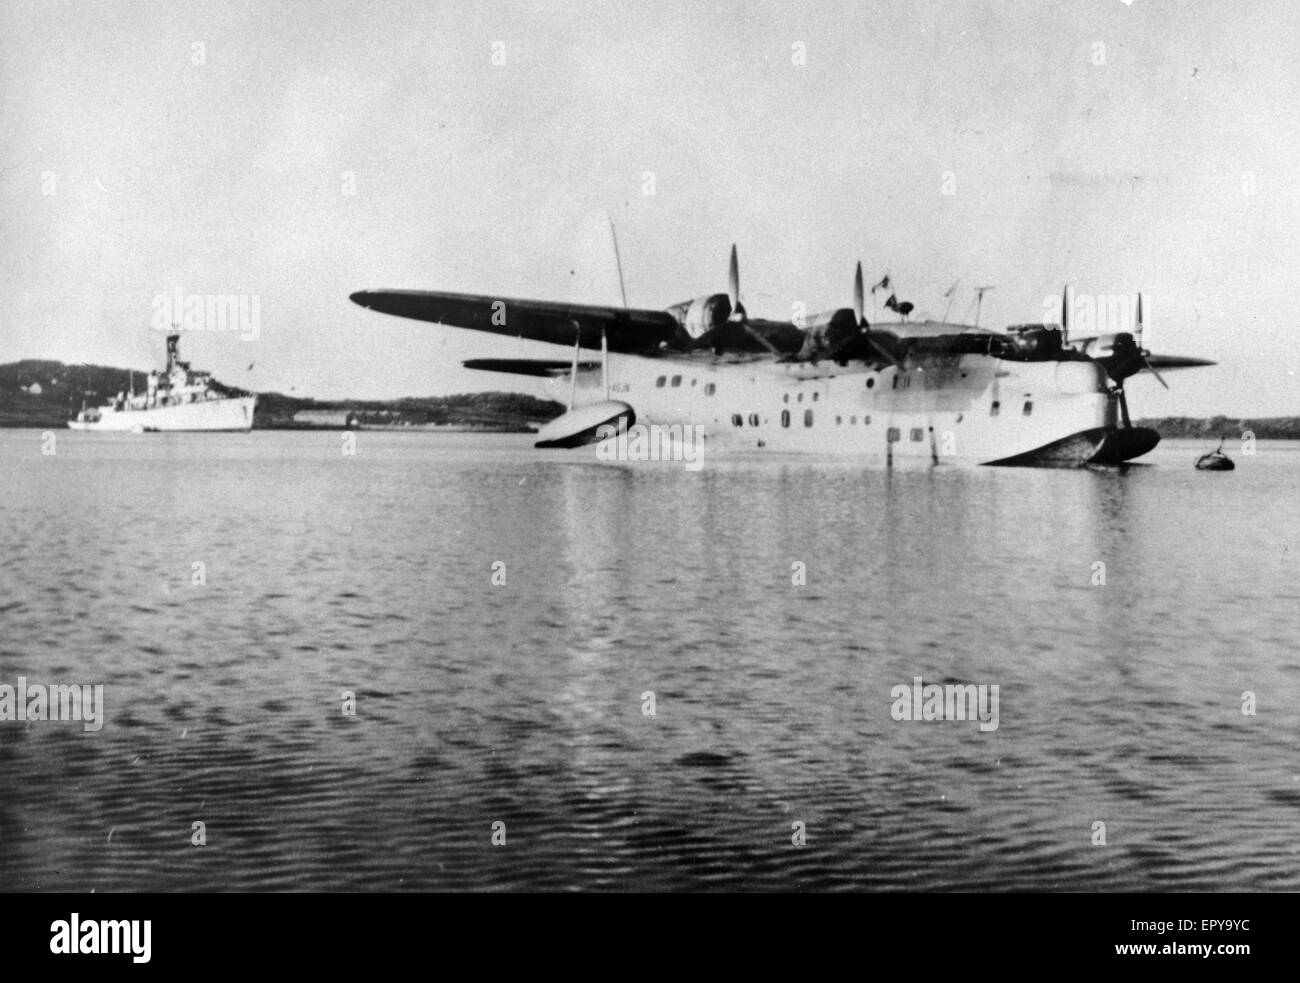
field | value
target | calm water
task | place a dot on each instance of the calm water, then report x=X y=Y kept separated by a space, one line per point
x=522 y=703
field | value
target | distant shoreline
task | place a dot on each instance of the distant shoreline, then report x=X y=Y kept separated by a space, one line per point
x=46 y=394
x=1231 y=428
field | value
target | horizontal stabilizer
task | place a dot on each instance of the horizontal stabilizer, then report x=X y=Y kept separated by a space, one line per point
x=543 y=368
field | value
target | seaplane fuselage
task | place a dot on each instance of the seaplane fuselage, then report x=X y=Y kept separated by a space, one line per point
x=948 y=409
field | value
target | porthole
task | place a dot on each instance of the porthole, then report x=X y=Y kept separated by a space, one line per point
x=659 y=383
x=736 y=421
x=753 y=419
x=710 y=389
x=807 y=418
x=677 y=381
x=785 y=418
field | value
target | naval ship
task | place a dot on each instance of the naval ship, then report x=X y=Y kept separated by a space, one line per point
x=178 y=399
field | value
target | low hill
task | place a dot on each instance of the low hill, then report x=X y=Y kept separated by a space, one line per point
x=1264 y=428
x=42 y=393
x=498 y=411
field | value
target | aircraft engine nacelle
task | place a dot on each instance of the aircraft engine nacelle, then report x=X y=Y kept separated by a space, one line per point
x=1121 y=357
x=1100 y=346
x=703 y=314
x=827 y=330
x=1032 y=343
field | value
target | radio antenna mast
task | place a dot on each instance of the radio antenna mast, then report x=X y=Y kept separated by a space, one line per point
x=618 y=261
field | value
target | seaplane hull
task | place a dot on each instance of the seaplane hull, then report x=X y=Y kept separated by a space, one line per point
x=968 y=409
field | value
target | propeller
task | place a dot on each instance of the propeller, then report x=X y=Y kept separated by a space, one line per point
x=1143 y=354
x=841 y=351
x=1127 y=358
x=864 y=328
x=738 y=318
x=978 y=302
x=733 y=286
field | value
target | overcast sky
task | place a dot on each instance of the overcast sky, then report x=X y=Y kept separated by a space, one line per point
x=212 y=146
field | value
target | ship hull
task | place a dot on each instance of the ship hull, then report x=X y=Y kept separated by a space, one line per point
x=211 y=416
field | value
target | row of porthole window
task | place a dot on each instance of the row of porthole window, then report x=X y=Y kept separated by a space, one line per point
x=815 y=396
x=709 y=387
x=894 y=435
x=739 y=421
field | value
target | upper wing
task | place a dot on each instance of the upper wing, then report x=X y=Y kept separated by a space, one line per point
x=638 y=332
x=921 y=339
x=630 y=331
x=916 y=330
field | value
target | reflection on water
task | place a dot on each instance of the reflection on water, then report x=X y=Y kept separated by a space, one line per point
x=526 y=702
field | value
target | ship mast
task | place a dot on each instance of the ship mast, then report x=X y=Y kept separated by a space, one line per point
x=173 y=340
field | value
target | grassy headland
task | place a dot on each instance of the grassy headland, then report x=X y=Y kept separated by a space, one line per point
x=42 y=393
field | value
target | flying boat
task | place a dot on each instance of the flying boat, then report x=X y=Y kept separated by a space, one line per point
x=891 y=393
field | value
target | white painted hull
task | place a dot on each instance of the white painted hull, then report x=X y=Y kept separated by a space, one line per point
x=972 y=409
x=204 y=415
